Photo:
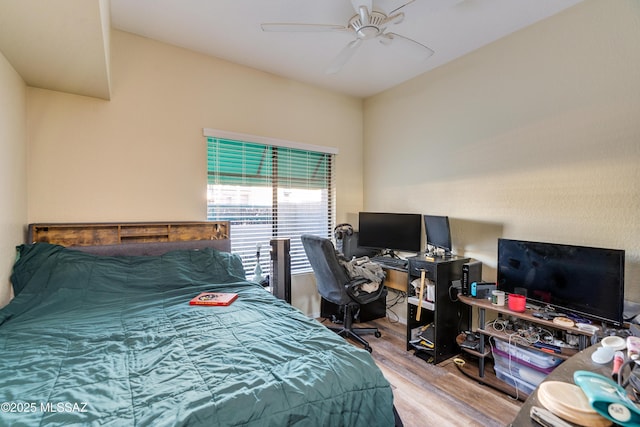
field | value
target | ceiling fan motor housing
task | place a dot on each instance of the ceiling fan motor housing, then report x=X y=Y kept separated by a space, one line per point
x=372 y=28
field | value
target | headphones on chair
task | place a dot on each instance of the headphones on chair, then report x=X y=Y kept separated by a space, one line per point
x=342 y=230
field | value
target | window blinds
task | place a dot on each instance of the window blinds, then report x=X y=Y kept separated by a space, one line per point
x=268 y=191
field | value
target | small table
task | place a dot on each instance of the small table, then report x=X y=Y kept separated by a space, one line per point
x=564 y=372
x=527 y=315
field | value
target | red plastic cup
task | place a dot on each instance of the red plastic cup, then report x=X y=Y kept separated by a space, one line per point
x=517 y=303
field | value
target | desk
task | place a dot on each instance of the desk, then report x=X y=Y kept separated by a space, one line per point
x=564 y=372
x=396 y=279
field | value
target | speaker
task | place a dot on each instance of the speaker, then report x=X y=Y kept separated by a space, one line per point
x=280 y=274
x=471 y=272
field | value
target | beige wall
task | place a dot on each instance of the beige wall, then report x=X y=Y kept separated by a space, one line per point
x=13 y=170
x=536 y=136
x=531 y=137
x=142 y=155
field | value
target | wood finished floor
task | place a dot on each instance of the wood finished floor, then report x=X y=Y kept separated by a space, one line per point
x=430 y=395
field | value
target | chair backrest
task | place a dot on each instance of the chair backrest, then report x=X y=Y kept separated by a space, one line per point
x=331 y=276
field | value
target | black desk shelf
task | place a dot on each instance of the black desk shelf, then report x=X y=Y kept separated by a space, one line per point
x=446 y=314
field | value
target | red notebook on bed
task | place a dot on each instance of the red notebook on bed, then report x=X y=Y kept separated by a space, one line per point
x=214 y=298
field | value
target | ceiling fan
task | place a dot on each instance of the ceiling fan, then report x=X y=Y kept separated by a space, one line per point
x=366 y=24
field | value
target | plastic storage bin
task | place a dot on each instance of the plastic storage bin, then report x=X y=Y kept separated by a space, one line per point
x=519 y=368
x=503 y=375
x=536 y=358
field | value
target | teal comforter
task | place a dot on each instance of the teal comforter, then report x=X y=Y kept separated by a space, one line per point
x=113 y=341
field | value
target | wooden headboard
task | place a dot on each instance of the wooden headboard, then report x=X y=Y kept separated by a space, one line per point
x=133 y=238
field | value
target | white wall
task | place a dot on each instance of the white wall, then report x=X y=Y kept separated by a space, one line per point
x=13 y=170
x=536 y=136
x=531 y=137
x=142 y=155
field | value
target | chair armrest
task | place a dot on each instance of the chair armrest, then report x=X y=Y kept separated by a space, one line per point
x=354 y=289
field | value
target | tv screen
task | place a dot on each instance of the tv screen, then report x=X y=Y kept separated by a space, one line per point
x=393 y=231
x=438 y=232
x=583 y=280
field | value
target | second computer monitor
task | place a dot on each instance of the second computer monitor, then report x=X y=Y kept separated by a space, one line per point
x=438 y=232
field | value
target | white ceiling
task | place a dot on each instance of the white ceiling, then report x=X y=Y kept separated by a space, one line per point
x=230 y=29
x=64 y=44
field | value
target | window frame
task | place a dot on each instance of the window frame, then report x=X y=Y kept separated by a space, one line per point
x=300 y=263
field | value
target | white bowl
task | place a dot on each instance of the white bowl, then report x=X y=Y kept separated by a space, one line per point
x=616 y=343
x=603 y=355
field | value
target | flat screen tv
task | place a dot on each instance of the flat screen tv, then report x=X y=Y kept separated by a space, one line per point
x=438 y=232
x=390 y=231
x=577 y=279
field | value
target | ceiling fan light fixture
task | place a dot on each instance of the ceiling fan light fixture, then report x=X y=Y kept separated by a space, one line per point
x=368 y=32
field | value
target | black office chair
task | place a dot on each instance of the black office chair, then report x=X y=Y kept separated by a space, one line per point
x=335 y=285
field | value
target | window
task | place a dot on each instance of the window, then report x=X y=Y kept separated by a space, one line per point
x=269 y=189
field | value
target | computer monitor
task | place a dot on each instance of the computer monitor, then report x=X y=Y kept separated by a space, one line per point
x=438 y=232
x=390 y=231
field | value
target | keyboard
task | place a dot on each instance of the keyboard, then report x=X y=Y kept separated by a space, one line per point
x=386 y=261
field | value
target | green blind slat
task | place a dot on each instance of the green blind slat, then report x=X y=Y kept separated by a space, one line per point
x=238 y=162
x=297 y=199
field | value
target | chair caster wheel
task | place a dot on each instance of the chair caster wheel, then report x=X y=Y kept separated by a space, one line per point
x=377 y=334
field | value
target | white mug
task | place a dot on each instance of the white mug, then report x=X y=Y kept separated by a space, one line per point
x=497 y=297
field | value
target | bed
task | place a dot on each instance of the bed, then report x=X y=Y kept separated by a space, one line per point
x=96 y=339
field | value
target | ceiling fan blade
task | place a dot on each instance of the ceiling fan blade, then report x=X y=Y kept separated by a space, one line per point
x=293 y=28
x=394 y=19
x=400 y=7
x=343 y=57
x=423 y=52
